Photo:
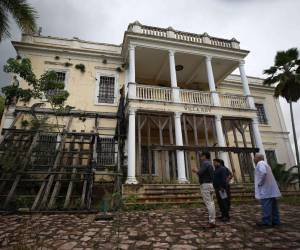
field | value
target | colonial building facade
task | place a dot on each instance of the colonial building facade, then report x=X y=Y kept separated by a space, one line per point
x=176 y=94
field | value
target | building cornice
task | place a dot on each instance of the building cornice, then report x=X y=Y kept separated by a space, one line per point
x=22 y=46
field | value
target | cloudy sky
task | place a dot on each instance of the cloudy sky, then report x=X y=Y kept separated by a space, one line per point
x=262 y=26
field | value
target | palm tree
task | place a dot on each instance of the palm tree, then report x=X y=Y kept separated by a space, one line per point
x=24 y=15
x=285 y=74
x=282 y=175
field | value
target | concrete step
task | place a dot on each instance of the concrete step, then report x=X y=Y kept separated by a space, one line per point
x=183 y=193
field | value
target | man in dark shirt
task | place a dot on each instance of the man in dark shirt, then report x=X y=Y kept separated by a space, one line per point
x=229 y=177
x=220 y=184
x=205 y=174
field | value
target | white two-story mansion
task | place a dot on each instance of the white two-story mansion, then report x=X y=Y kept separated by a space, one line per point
x=176 y=96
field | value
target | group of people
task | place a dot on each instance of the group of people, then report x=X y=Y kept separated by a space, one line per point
x=214 y=179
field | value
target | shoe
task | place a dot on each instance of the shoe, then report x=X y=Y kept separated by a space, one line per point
x=211 y=225
x=260 y=224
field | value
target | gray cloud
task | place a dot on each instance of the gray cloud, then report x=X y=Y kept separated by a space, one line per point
x=262 y=26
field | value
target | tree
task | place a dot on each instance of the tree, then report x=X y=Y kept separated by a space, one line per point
x=285 y=75
x=2 y=106
x=282 y=175
x=24 y=15
x=46 y=86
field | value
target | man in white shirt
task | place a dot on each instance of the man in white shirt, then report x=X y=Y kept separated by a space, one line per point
x=267 y=192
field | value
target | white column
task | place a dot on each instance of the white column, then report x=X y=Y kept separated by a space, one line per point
x=175 y=89
x=220 y=137
x=257 y=136
x=211 y=81
x=131 y=63
x=179 y=153
x=131 y=179
x=131 y=78
x=246 y=88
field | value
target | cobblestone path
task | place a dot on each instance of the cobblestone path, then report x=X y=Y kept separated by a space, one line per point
x=176 y=228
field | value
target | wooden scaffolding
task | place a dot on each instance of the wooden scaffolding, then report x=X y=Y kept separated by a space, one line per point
x=42 y=170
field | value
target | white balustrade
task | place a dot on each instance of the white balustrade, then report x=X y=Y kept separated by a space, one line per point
x=147 y=30
x=153 y=93
x=164 y=94
x=186 y=36
x=234 y=101
x=195 y=97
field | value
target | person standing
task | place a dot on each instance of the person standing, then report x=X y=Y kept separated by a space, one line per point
x=220 y=184
x=205 y=174
x=267 y=192
x=229 y=177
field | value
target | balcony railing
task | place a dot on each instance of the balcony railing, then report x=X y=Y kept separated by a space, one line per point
x=164 y=94
x=234 y=101
x=151 y=93
x=195 y=97
x=183 y=36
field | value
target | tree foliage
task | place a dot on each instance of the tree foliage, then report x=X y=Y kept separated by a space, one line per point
x=47 y=85
x=2 y=105
x=284 y=176
x=21 y=11
x=285 y=74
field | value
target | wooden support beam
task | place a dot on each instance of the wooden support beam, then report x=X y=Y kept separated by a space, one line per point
x=18 y=177
x=206 y=131
x=42 y=196
x=229 y=153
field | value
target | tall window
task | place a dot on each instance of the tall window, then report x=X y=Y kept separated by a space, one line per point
x=105 y=152
x=106 y=89
x=61 y=77
x=261 y=113
x=271 y=156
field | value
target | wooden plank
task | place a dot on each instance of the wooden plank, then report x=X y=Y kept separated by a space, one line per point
x=205 y=130
x=139 y=146
x=18 y=177
x=73 y=175
x=172 y=152
x=186 y=139
x=195 y=130
x=229 y=153
x=57 y=185
x=149 y=150
x=237 y=145
x=47 y=184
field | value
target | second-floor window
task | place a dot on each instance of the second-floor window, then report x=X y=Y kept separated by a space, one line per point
x=106 y=92
x=61 y=77
x=261 y=113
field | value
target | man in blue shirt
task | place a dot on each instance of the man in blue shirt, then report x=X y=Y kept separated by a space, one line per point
x=220 y=183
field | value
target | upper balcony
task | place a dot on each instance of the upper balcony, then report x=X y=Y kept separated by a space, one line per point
x=182 y=70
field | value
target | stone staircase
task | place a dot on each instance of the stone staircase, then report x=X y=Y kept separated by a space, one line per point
x=178 y=194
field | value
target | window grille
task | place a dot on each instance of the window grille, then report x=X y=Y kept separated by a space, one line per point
x=61 y=77
x=45 y=150
x=261 y=114
x=106 y=89
x=105 y=152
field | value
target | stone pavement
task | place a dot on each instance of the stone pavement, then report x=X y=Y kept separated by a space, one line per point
x=175 y=228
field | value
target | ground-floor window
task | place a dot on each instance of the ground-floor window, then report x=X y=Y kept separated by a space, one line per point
x=106 y=152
